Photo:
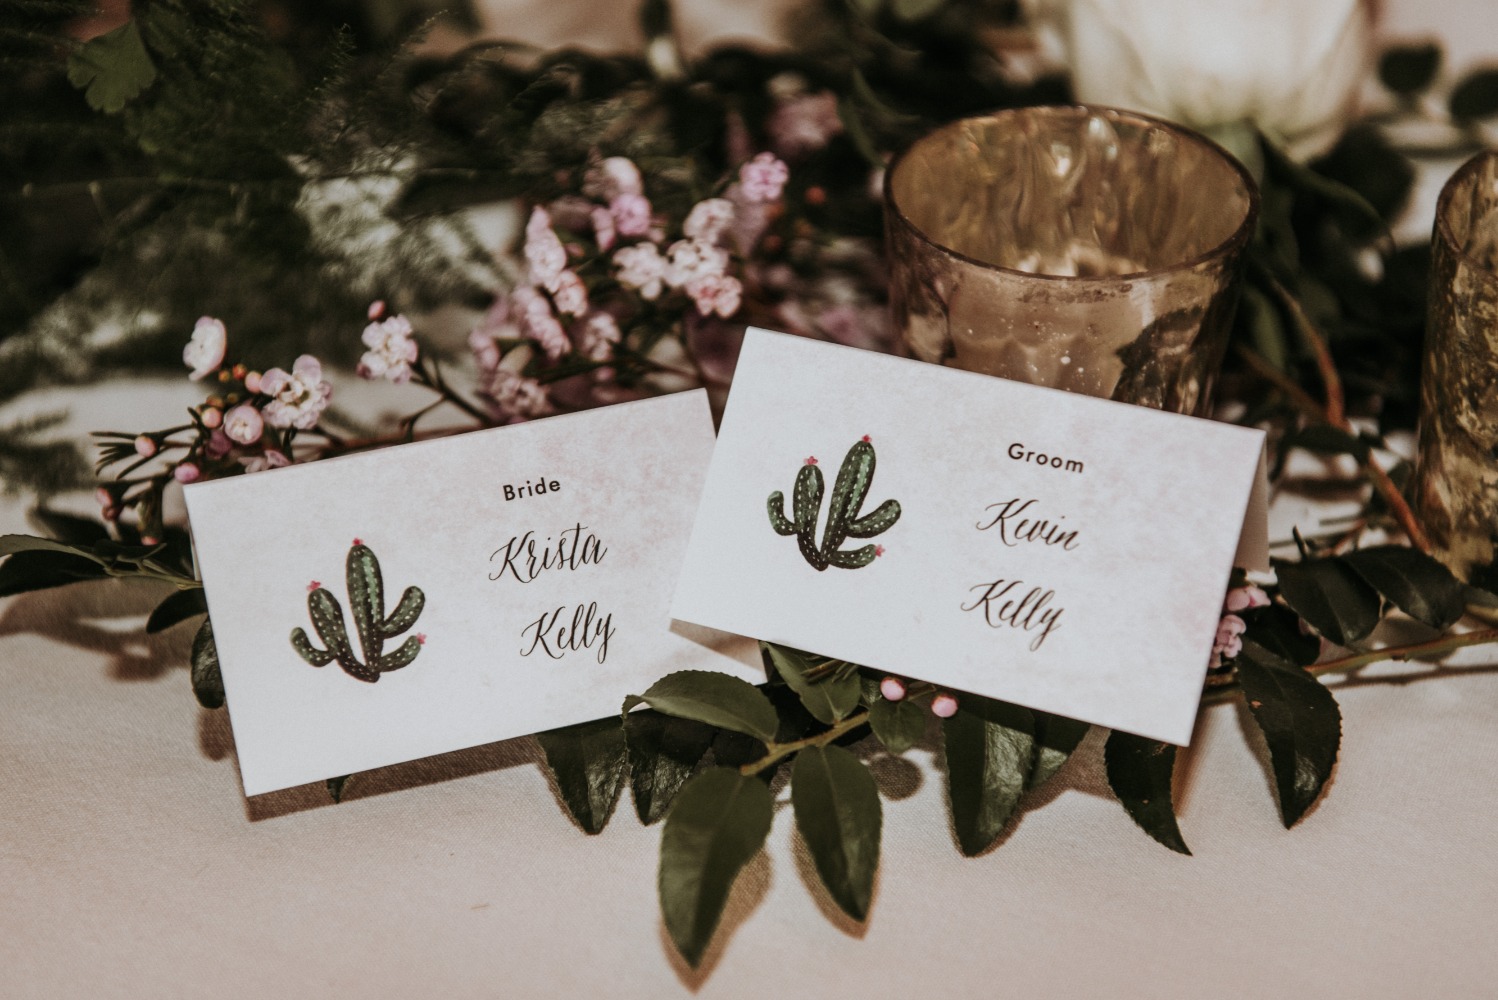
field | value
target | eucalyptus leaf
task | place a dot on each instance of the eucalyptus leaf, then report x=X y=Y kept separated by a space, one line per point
x=898 y=724
x=1139 y=772
x=588 y=762
x=178 y=607
x=1300 y=721
x=663 y=753
x=1409 y=69
x=716 y=699
x=112 y=69
x=43 y=570
x=207 y=682
x=1413 y=582
x=836 y=801
x=1328 y=594
x=990 y=748
x=717 y=823
x=1475 y=96
x=828 y=699
x=1055 y=738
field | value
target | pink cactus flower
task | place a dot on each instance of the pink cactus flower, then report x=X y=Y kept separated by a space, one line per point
x=313 y=585
x=811 y=460
x=879 y=550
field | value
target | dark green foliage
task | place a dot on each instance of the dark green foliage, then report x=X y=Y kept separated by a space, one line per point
x=717 y=823
x=1409 y=69
x=898 y=724
x=1415 y=583
x=207 y=682
x=178 y=607
x=1139 y=772
x=1055 y=738
x=588 y=762
x=1475 y=96
x=716 y=699
x=829 y=690
x=1300 y=721
x=837 y=811
x=663 y=753
x=1331 y=596
x=335 y=787
x=990 y=749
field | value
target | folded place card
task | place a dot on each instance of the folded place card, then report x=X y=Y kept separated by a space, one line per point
x=382 y=607
x=1041 y=547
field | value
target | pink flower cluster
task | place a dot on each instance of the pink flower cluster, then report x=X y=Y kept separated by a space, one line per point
x=1228 y=642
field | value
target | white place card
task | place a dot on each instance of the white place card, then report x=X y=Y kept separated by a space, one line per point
x=1041 y=547
x=524 y=582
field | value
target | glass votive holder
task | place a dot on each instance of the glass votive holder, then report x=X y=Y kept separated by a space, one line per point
x=1456 y=472
x=1080 y=248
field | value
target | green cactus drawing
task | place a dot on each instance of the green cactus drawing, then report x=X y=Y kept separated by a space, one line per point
x=848 y=493
x=366 y=594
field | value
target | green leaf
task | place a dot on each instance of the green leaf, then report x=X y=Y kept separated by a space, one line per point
x=178 y=607
x=1476 y=96
x=1409 y=69
x=837 y=811
x=829 y=699
x=588 y=763
x=11 y=544
x=717 y=823
x=898 y=724
x=1055 y=738
x=663 y=753
x=335 y=787
x=1413 y=582
x=716 y=699
x=1329 y=595
x=207 y=682
x=1300 y=721
x=112 y=69
x=990 y=748
x=41 y=570
x=1139 y=772
x=1278 y=629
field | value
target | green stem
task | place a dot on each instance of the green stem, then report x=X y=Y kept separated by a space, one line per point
x=782 y=750
x=1346 y=664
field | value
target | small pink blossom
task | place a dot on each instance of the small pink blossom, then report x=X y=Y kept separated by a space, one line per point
x=205 y=351
x=1228 y=642
x=811 y=460
x=543 y=249
x=252 y=381
x=376 y=310
x=608 y=179
x=944 y=706
x=298 y=396
x=421 y=637
x=244 y=424
x=879 y=550
x=187 y=472
x=212 y=417
x=485 y=349
x=763 y=178
x=391 y=352
x=596 y=336
x=218 y=444
x=718 y=293
x=693 y=260
x=269 y=459
x=641 y=267
x=517 y=397
x=145 y=445
x=804 y=124
x=631 y=214
x=1244 y=598
x=892 y=688
x=570 y=294
x=708 y=219
x=539 y=323
x=604 y=233
x=313 y=585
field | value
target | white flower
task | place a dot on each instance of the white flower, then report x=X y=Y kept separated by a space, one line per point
x=716 y=293
x=570 y=294
x=642 y=267
x=205 y=351
x=298 y=397
x=517 y=396
x=1290 y=66
x=693 y=260
x=243 y=424
x=391 y=350
x=608 y=179
x=707 y=219
x=596 y=336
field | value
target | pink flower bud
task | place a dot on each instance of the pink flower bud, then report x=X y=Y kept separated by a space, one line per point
x=103 y=497
x=187 y=472
x=213 y=418
x=252 y=382
x=145 y=446
x=243 y=424
x=149 y=540
x=1243 y=598
x=892 y=688
x=944 y=706
x=376 y=309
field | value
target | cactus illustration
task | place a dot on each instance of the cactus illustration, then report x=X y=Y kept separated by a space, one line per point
x=848 y=493
x=366 y=594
